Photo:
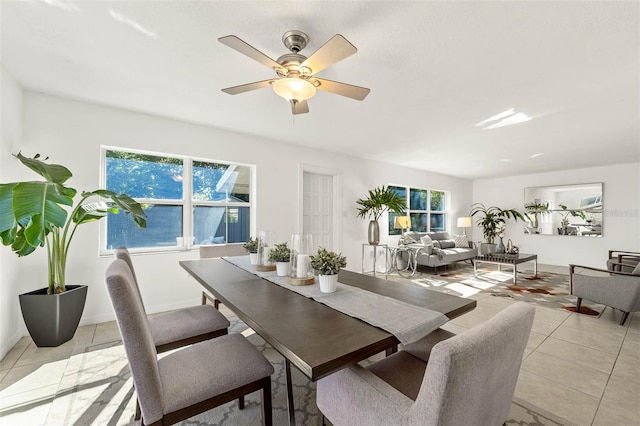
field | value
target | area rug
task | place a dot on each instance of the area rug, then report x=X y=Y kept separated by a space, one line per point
x=545 y=289
x=96 y=389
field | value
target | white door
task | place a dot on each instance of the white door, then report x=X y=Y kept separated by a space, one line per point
x=318 y=209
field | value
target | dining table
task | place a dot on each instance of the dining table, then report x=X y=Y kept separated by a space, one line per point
x=317 y=339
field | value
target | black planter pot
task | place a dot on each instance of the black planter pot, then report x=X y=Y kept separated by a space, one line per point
x=52 y=319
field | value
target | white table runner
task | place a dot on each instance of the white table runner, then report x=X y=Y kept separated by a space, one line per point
x=405 y=321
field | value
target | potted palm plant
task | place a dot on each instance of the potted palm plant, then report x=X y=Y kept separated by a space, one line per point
x=281 y=255
x=379 y=201
x=35 y=214
x=327 y=264
x=491 y=217
x=534 y=209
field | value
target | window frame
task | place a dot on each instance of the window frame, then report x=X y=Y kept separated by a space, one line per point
x=187 y=202
x=428 y=211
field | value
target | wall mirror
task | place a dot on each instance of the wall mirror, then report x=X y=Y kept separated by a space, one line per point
x=572 y=210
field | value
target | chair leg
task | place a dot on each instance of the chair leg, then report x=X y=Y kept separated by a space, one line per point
x=216 y=304
x=320 y=419
x=267 y=419
x=204 y=298
x=578 y=303
x=625 y=315
x=241 y=402
x=138 y=412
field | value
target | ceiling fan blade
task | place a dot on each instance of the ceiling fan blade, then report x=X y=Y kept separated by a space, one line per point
x=301 y=107
x=335 y=50
x=354 y=92
x=235 y=90
x=248 y=50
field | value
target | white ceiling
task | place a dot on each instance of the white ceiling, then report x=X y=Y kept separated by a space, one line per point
x=435 y=69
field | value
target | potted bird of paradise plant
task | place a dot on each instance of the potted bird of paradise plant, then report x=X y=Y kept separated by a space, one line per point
x=36 y=214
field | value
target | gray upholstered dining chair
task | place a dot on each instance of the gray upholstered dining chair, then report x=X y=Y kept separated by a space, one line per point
x=180 y=327
x=218 y=250
x=468 y=379
x=619 y=290
x=191 y=380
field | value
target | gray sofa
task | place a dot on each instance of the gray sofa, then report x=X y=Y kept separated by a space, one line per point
x=440 y=251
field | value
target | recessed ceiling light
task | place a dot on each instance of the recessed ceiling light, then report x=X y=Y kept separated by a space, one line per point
x=506 y=118
x=537 y=155
x=505 y=160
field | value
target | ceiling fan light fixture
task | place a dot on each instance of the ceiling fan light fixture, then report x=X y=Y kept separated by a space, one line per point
x=294 y=89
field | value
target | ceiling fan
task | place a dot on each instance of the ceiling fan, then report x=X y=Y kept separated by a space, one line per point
x=296 y=81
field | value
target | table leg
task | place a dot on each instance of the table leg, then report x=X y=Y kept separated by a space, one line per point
x=290 y=407
x=535 y=267
x=515 y=273
x=475 y=269
x=392 y=350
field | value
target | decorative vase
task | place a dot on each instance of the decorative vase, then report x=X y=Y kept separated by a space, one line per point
x=328 y=283
x=53 y=319
x=500 y=248
x=282 y=269
x=374 y=232
x=509 y=246
x=254 y=258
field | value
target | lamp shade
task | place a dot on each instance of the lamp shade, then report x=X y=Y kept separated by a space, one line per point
x=294 y=89
x=402 y=222
x=464 y=222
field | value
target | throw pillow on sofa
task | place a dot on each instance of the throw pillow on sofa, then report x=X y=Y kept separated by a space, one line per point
x=445 y=244
x=461 y=241
x=428 y=244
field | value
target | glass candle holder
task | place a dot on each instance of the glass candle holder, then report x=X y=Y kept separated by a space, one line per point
x=301 y=249
x=265 y=244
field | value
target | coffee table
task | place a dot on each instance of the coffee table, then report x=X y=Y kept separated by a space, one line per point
x=506 y=259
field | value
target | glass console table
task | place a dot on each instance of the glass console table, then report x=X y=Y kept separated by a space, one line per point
x=376 y=250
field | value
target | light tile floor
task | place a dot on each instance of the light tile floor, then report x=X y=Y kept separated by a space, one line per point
x=584 y=370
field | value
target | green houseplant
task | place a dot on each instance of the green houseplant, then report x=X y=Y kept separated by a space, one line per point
x=379 y=201
x=35 y=214
x=327 y=264
x=564 y=223
x=281 y=255
x=491 y=217
x=251 y=246
x=533 y=210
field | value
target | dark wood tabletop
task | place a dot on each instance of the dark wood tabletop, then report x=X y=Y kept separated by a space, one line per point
x=317 y=339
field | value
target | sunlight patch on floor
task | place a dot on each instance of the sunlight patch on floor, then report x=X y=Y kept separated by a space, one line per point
x=462 y=290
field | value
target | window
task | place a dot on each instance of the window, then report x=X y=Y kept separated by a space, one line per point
x=209 y=201
x=426 y=207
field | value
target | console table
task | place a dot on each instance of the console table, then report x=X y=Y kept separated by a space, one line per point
x=507 y=259
x=375 y=249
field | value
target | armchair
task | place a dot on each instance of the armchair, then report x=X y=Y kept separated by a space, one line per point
x=619 y=290
x=467 y=379
x=623 y=261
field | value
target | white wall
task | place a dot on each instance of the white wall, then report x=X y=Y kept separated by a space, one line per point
x=10 y=141
x=621 y=218
x=71 y=133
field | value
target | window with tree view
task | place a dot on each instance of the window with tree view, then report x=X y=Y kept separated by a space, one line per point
x=426 y=207
x=187 y=201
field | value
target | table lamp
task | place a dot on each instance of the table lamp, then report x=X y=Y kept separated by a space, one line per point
x=464 y=222
x=402 y=222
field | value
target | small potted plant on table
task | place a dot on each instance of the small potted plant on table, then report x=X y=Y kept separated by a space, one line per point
x=327 y=264
x=281 y=255
x=251 y=246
